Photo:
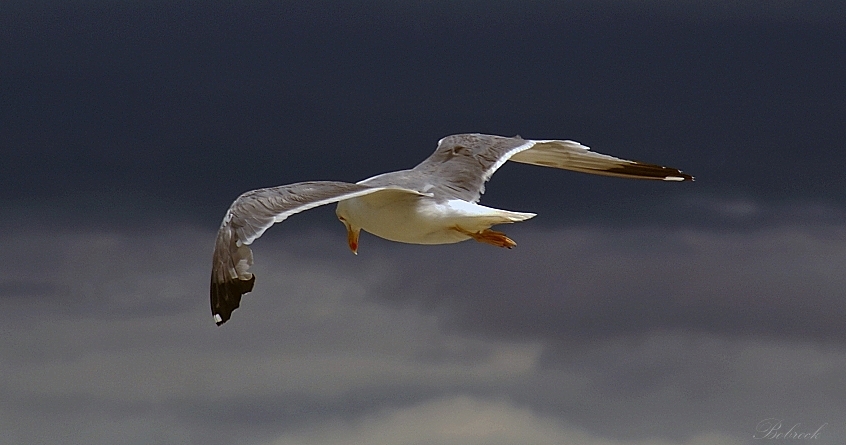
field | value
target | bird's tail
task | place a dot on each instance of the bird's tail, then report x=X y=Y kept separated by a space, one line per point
x=508 y=217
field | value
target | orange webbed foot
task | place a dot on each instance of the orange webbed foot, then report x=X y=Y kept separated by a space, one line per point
x=489 y=236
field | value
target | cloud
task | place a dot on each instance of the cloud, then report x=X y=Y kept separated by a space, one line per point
x=464 y=420
x=578 y=284
x=629 y=313
x=565 y=336
x=220 y=98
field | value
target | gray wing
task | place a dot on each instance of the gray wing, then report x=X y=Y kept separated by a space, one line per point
x=571 y=155
x=247 y=218
x=462 y=163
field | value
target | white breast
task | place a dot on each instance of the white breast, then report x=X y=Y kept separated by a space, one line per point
x=416 y=219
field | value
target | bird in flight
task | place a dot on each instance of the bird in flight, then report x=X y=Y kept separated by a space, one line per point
x=435 y=202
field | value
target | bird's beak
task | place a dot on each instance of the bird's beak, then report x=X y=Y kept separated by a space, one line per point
x=352 y=238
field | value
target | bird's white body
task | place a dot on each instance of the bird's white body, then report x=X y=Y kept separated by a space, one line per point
x=414 y=218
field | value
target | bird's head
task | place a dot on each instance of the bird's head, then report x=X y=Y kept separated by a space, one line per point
x=352 y=229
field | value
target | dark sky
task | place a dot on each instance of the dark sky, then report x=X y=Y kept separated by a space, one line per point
x=630 y=313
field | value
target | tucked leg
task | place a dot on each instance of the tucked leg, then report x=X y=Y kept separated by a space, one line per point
x=489 y=236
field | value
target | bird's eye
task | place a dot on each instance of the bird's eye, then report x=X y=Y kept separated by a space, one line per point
x=341 y=218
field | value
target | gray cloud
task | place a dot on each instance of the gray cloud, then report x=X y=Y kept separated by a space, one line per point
x=629 y=313
x=193 y=105
x=573 y=333
x=582 y=283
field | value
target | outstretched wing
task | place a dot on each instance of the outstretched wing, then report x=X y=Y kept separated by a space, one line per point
x=462 y=163
x=247 y=218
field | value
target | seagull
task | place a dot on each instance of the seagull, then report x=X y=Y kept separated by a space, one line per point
x=435 y=202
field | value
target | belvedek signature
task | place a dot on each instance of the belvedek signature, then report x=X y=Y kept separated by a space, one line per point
x=773 y=428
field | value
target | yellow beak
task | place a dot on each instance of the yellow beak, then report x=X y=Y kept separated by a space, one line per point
x=352 y=238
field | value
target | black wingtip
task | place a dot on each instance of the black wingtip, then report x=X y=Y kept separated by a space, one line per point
x=643 y=170
x=226 y=297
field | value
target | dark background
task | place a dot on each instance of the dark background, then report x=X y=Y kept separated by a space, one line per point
x=630 y=313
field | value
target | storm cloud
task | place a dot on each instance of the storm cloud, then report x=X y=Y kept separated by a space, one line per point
x=630 y=313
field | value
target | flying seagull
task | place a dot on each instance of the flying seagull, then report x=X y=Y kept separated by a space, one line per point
x=432 y=203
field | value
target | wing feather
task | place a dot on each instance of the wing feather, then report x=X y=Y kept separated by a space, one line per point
x=571 y=155
x=462 y=163
x=247 y=219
